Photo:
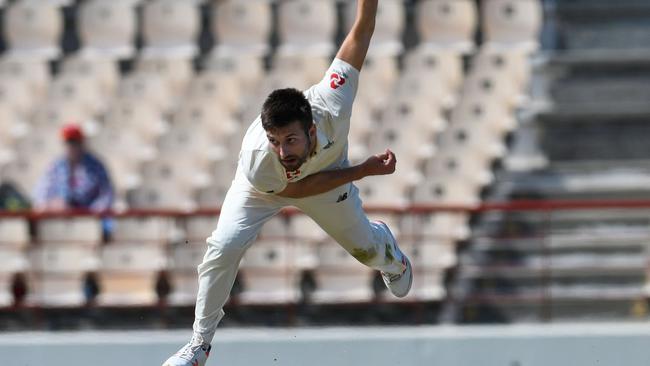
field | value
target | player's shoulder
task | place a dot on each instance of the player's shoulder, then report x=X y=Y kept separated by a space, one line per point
x=255 y=137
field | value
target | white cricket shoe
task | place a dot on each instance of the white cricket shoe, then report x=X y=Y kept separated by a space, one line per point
x=398 y=284
x=195 y=353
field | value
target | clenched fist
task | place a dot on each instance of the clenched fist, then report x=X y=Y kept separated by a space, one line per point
x=381 y=164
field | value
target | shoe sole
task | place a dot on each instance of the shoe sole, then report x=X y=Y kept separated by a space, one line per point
x=409 y=273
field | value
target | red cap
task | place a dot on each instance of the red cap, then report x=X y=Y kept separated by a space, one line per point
x=72 y=132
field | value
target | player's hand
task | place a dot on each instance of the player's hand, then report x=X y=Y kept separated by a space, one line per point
x=381 y=164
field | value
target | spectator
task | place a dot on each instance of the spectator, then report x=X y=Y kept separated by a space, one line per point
x=77 y=180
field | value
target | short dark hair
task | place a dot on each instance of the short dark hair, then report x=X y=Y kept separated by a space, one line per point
x=285 y=106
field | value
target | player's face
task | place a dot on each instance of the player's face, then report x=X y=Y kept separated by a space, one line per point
x=292 y=144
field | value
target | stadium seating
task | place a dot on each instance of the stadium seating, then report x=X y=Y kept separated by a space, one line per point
x=339 y=277
x=128 y=273
x=387 y=39
x=176 y=72
x=307 y=27
x=14 y=238
x=57 y=273
x=268 y=275
x=34 y=72
x=102 y=71
x=170 y=28
x=33 y=29
x=107 y=29
x=513 y=22
x=166 y=89
x=447 y=24
x=242 y=27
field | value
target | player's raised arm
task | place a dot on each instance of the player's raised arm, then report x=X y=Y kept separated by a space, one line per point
x=355 y=46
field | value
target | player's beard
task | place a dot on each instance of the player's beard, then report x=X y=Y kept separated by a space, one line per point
x=295 y=161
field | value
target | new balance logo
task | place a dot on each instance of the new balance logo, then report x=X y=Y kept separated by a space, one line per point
x=329 y=144
x=342 y=197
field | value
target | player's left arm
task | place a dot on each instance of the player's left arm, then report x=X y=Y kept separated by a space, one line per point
x=325 y=181
x=355 y=46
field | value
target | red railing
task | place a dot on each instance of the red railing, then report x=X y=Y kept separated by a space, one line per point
x=547 y=208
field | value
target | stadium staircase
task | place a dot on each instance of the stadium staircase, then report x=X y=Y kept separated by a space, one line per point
x=582 y=136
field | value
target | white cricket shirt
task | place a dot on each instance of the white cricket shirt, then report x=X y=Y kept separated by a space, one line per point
x=331 y=105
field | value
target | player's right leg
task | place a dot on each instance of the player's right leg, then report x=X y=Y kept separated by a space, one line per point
x=243 y=213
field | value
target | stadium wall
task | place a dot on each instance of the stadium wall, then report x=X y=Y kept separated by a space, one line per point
x=518 y=345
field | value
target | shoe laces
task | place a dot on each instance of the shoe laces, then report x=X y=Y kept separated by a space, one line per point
x=188 y=352
x=392 y=277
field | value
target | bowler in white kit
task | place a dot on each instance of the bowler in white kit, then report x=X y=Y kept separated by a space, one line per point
x=295 y=154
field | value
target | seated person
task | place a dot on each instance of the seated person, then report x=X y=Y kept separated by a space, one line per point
x=75 y=181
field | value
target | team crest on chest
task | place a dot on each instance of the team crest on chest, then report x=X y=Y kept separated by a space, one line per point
x=293 y=174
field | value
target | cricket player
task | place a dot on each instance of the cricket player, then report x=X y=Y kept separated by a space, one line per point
x=295 y=154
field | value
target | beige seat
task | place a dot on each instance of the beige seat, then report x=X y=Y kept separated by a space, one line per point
x=197 y=145
x=79 y=91
x=33 y=71
x=493 y=118
x=339 y=277
x=311 y=67
x=128 y=273
x=387 y=38
x=307 y=26
x=390 y=191
x=436 y=66
x=124 y=153
x=448 y=24
x=51 y=115
x=472 y=140
x=184 y=261
x=447 y=191
x=16 y=97
x=176 y=72
x=515 y=23
x=267 y=273
x=156 y=193
x=213 y=91
x=14 y=238
x=242 y=26
x=376 y=85
x=147 y=88
x=107 y=28
x=148 y=229
x=33 y=29
x=415 y=87
x=444 y=228
x=57 y=273
x=489 y=87
x=410 y=142
x=411 y=111
x=247 y=70
x=170 y=28
x=466 y=167
x=34 y=153
x=512 y=64
x=213 y=194
x=141 y=119
x=431 y=257
x=103 y=71
x=73 y=230
x=199 y=227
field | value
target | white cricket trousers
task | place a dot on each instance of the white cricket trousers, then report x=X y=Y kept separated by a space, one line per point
x=243 y=213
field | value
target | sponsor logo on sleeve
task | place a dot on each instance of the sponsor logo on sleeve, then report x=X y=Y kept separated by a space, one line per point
x=336 y=80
